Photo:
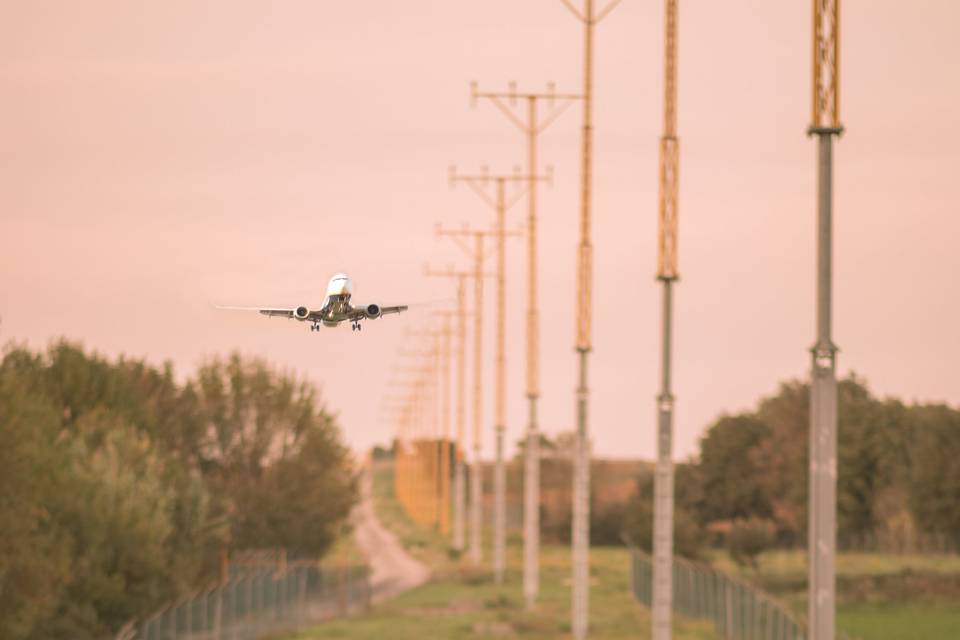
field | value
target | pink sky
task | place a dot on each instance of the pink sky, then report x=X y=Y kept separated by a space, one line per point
x=160 y=157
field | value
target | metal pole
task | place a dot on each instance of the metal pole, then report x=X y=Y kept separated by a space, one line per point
x=823 y=421
x=442 y=346
x=667 y=274
x=581 y=509
x=531 y=484
x=459 y=481
x=581 y=469
x=445 y=444
x=500 y=205
x=476 y=473
x=500 y=480
x=663 y=489
x=822 y=525
x=531 y=510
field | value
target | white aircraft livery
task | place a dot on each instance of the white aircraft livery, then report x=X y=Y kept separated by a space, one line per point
x=336 y=308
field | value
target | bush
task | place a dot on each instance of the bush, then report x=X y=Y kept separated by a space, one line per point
x=748 y=539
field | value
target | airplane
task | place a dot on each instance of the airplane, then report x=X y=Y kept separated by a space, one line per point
x=336 y=308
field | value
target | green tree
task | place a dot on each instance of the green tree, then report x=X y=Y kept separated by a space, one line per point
x=935 y=478
x=730 y=469
x=33 y=561
x=274 y=454
x=119 y=487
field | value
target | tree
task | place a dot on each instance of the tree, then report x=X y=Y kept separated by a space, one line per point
x=748 y=539
x=935 y=477
x=729 y=469
x=273 y=454
x=119 y=487
x=33 y=561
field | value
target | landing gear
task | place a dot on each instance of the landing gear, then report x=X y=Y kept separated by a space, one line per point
x=356 y=326
x=315 y=326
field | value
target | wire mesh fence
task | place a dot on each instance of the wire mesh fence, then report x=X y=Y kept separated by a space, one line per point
x=254 y=601
x=737 y=610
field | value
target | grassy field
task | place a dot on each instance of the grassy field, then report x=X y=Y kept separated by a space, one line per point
x=879 y=596
x=464 y=603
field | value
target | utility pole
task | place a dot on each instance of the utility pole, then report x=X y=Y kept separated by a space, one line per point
x=477 y=253
x=581 y=464
x=531 y=128
x=459 y=472
x=440 y=353
x=405 y=468
x=424 y=400
x=499 y=203
x=667 y=275
x=822 y=526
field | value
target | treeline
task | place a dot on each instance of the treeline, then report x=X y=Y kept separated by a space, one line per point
x=120 y=488
x=898 y=476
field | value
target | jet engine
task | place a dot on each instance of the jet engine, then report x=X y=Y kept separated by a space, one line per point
x=372 y=311
x=301 y=313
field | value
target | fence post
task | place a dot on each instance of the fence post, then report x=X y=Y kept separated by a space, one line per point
x=720 y=603
x=369 y=584
x=728 y=597
x=341 y=592
x=301 y=573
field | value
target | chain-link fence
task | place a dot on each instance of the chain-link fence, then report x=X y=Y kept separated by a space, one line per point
x=737 y=610
x=254 y=601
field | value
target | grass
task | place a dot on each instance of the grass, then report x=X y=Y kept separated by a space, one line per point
x=879 y=596
x=461 y=602
x=468 y=605
x=899 y=621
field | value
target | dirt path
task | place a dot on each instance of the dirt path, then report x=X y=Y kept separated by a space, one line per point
x=393 y=569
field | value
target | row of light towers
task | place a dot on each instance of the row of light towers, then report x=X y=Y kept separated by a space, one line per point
x=423 y=453
x=426 y=448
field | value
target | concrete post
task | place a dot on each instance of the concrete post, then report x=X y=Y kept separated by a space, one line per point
x=581 y=511
x=499 y=511
x=663 y=485
x=822 y=526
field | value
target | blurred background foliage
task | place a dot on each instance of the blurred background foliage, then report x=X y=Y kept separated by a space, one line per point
x=898 y=478
x=746 y=489
x=120 y=486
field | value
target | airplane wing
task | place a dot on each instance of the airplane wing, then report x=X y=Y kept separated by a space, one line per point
x=283 y=313
x=359 y=312
x=385 y=310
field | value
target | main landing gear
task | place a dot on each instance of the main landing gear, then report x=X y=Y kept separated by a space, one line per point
x=315 y=326
x=356 y=325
